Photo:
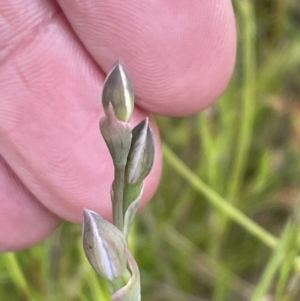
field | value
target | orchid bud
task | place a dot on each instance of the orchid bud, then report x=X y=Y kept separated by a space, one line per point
x=118 y=90
x=104 y=245
x=141 y=154
x=117 y=135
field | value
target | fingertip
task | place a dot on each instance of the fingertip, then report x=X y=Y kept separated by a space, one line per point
x=19 y=235
x=24 y=221
x=179 y=56
x=190 y=71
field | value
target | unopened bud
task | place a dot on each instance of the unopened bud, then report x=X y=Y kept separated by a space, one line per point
x=141 y=154
x=118 y=90
x=104 y=245
x=117 y=135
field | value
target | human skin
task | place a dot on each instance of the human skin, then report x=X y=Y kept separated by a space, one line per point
x=53 y=60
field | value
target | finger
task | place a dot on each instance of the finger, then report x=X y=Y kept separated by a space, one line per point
x=24 y=221
x=180 y=55
x=49 y=137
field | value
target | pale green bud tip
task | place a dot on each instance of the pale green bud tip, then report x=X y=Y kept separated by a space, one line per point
x=104 y=245
x=141 y=154
x=118 y=90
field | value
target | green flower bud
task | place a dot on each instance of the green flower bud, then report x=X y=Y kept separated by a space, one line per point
x=117 y=135
x=104 y=245
x=141 y=154
x=118 y=90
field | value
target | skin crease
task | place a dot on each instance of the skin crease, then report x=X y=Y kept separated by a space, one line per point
x=53 y=61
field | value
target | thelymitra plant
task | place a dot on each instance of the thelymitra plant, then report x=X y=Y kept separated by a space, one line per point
x=132 y=152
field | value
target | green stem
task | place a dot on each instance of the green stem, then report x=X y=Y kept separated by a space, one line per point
x=248 y=98
x=272 y=266
x=17 y=274
x=219 y=202
x=117 y=200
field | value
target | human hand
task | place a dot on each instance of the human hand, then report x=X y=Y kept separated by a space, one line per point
x=54 y=57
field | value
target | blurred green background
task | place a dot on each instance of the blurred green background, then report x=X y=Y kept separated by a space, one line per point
x=224 y=224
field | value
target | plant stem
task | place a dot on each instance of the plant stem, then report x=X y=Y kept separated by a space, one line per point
x=272 y=266
x=17 y=274
x=248 y=99
x=219 y=202
x=117 y=199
